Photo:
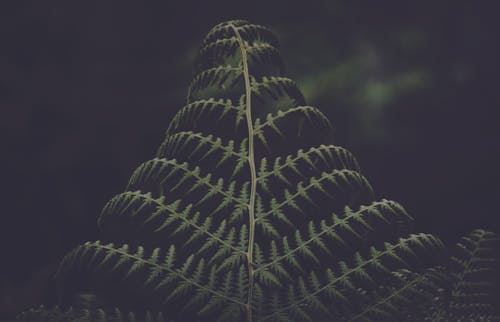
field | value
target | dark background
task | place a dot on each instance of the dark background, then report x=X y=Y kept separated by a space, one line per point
x=87 y=89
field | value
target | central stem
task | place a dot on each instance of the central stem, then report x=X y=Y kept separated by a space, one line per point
x=253 y=174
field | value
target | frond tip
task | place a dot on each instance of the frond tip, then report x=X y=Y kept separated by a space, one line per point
x=249 y=211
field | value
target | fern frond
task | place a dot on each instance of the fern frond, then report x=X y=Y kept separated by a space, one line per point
x=202 y=115
x=226 y=52
x=336 y=179
x=249 y=32
x=347 y=274
x=404 y=294
x=249 y=211
x=177 y=177
x=171 y=280
x=475 y=269
x=216 y=82
x=334 y=232
x=276 y=88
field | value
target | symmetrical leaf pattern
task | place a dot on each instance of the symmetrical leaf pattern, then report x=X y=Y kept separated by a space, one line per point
x=248 y=210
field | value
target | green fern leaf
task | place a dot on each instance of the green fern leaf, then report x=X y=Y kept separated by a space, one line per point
x=249 y=211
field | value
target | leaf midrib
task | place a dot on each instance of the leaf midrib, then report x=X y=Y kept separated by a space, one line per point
x=253 y=172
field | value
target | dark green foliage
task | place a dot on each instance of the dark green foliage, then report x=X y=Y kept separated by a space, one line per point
x=475 y=284
x=250 y=212
x=86 y=315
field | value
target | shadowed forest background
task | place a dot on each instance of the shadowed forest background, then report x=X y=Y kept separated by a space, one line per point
x=88 y=88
